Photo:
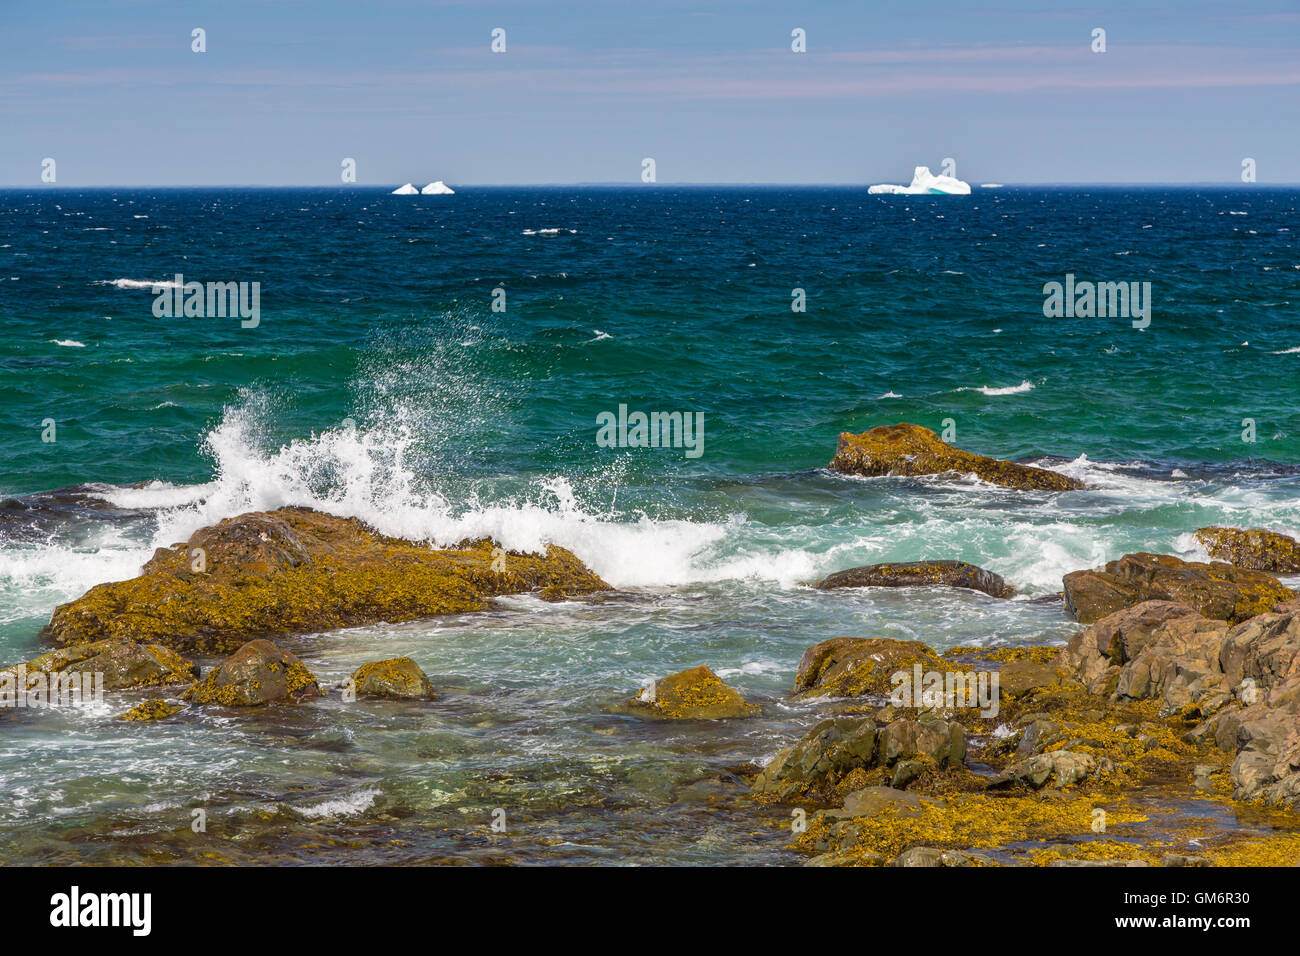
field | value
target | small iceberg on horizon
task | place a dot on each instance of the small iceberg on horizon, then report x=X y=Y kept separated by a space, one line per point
x=437 y=189
x=925 y=182
x=407 y=190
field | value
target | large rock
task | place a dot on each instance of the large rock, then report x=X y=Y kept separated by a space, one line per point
x=257 y=673
x=854 y=666
x=1214 y=590
x=397 y=677
x=912 y=450
x=1179 y=666
x=695 y=694
x=123 y=664
x=1252 y=548
x=296 y=571
x=1266 y=738
x=909 y=574
x=1096 y=653
x=838 y=745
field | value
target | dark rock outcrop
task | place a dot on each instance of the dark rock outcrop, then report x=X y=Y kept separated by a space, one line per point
x=906 y=574
x=905 y=449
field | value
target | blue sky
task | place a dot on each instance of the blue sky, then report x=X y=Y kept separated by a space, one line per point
x=710 y=89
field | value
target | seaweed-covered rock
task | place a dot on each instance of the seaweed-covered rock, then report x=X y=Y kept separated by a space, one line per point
x=398 y=677
x=123 y=664
x=257 y=673
x=1215 y=590
x=297 y=571
x=695 y=694
x=854 y=666
x=905 y=449
x=839 y=745
x=153 y=709
x=1252 y=548
x=907 y=574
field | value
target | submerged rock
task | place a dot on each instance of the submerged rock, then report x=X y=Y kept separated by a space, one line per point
x=297 y=571
x=257 y=673
x=855 y=666
x=905 y=449
x=906 y=574
x=1215 y=590
x=1252 y=548
x=123 y=664
x=398 y=677
x=695 y=694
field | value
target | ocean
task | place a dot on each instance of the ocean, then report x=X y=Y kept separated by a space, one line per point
x=437 y=366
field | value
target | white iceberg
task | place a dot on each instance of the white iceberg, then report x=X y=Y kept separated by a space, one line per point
x=407 y=190
x=923 y=181
x=437 y=189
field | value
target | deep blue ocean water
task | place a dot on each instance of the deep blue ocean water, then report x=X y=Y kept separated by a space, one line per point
x=380 y=382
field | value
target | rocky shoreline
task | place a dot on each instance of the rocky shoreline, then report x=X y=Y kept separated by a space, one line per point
x=1177 y=700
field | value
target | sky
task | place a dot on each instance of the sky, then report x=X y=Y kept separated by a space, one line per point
x=711 y=90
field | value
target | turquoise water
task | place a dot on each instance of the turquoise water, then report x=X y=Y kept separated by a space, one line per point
x=379 y=382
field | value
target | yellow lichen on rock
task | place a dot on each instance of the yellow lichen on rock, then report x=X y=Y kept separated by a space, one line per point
x=296 y=571
x=695 y=694
x=905 y=449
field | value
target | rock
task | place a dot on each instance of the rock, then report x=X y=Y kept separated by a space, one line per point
x=933 y=856
x=1252 y=548
x=912 y=450
x=1264 y=649
x=1215 y=590
x=153 y=709
x=839 y=745
x=1180 y=859
x=1180 y=665
x=869 y=801
x=1267 y=738
x=123 y=664
x=298 y=571
x=854 y=666
x=1060 y=767
x=909 y=574
x=832 y=747
x=695 y=694
x=1117 y=638
x=398 y=677
x=1036 y=736
x=257 y=673
x=1093 y=863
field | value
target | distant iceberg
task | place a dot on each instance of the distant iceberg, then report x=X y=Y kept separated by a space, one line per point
x=437 y=189
x=923 y=181
x=407 y=190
